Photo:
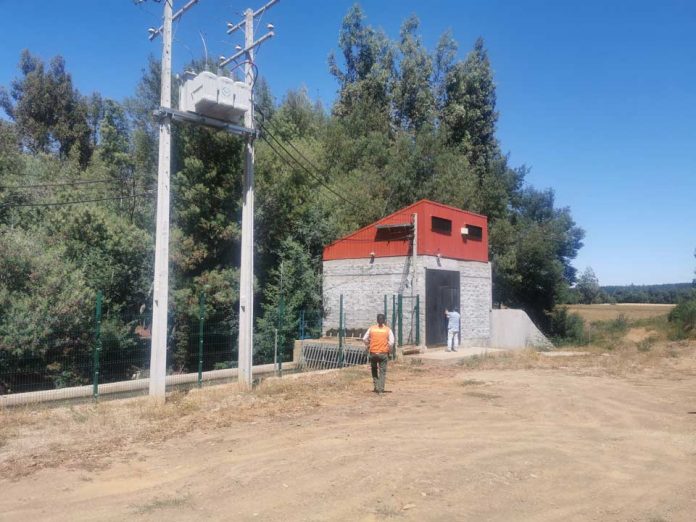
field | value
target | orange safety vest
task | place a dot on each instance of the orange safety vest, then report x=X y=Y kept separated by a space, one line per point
x=379 y=339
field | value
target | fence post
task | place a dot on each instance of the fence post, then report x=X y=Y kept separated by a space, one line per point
x=97 y=346
x=418 y=320
x=385 y=307
x=399 y=318
x=281 y=323
x=393 y=321
x=201 y=324
x=340 y=332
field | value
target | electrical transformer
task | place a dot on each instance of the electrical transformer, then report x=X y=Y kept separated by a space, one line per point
x=215 y=96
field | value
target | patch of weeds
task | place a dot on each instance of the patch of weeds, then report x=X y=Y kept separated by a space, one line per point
x=677 y=334
x=482 y=395
x=182 y=402
x=646 y=344
x=472 y=382
x=162 y=503
x=475 y=361
x=608 y=334
x=618 y=325
x=388 y=511
x=78 y=416
x=415 y=365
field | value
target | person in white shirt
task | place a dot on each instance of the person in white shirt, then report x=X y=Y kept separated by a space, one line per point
x=453 y=319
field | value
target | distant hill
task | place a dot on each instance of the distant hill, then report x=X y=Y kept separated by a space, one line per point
x=665 y=294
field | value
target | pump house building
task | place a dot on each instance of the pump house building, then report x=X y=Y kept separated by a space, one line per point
x=433 y=255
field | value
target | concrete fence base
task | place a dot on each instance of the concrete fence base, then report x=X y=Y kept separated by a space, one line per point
x=78 y=392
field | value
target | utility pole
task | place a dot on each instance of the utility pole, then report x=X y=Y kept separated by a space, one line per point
x=160 y=294
x=246 y=275
x=414 y=280
x=160 y=297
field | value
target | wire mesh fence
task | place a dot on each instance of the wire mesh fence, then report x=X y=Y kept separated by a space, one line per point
x=111 y=350
x=101 y=351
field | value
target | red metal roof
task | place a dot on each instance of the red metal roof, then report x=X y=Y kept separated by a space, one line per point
x=391 y=235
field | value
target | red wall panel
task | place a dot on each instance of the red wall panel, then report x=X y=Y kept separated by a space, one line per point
x=396 y=242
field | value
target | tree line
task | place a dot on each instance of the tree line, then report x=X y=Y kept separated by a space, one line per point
x=78 y=175
x=588 y=291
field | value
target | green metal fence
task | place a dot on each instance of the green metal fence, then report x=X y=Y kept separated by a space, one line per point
x=109 y=347
x=115 y=348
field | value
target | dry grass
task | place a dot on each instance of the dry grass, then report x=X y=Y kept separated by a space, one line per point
x=675 y=359
x=89 y=436
x=159 y=504
x=608 y=312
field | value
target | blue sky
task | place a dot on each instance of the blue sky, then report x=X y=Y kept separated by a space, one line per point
x=598 y=98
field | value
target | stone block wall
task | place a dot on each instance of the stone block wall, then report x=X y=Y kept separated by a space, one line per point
x=364 y=283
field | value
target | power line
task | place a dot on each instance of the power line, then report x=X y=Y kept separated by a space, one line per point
x=76 y=202
x=62 y=184
x=301 y=166
x=290 y=143
x=317 y=178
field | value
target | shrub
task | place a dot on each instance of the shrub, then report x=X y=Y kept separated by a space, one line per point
x=618 y=325
x=683 y=316
x=566 y=328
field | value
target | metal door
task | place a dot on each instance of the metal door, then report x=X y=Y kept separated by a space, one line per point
x=441 y=293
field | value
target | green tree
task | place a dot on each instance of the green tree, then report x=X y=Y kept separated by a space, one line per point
x=531 y=254
x=588 y=287
x=414 y=102
x=45 y=304
x=294 y=285
x=366 y=82
x=469 y=111
x=50 y=114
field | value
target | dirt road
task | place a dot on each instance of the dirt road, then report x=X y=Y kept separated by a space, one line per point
x=557 y=441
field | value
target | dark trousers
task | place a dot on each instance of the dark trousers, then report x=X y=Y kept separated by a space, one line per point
x=378 y=361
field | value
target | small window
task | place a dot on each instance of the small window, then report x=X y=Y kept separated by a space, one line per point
x=474 y=232
x=397 y=232
x=441 y=225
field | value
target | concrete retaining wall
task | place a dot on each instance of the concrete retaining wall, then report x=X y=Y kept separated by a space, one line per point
x=514 y=330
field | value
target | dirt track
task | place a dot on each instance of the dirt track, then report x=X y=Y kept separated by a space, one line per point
x=449 y=443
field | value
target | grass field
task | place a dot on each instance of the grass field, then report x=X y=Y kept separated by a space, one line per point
x=609 y=312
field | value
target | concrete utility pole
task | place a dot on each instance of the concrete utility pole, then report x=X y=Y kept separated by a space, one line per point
x=160 y=294
x=414 y=280
x=246 y=276
x=160 y=297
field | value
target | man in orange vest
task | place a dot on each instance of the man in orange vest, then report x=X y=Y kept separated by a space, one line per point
x=379 y=339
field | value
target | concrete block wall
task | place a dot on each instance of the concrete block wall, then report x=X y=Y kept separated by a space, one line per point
x=475 y=296
x=364 y=283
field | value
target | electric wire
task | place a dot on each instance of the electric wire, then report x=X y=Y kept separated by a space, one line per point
x=317 y=178
x=265 y=117
x=60 y=184
x=77 y=202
